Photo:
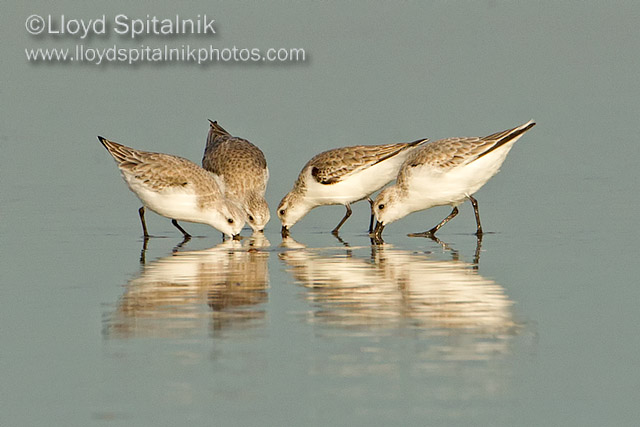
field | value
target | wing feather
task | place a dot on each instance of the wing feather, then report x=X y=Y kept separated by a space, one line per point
x=335 y=165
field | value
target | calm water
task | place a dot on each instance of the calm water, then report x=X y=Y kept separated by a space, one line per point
x=537 y=324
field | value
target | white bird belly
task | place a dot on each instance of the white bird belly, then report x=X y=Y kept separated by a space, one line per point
x=171 y=203
x=430 y=187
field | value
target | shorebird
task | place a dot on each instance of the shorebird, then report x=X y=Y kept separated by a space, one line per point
x=444 y=172
x=243 y=168
x=176 y=188
x=340 y=177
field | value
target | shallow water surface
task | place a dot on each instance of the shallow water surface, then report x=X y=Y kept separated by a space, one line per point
x=537 y=324
x=358 y=322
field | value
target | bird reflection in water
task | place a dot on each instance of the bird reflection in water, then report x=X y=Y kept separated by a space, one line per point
x=223 y=288
x=387 y=288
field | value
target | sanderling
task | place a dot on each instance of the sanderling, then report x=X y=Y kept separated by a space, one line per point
x=176 y=188
x=340 y=177
x=444 y=172
x=243 y=168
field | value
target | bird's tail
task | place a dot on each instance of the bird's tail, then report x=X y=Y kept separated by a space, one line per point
x=506 y=136
x=418 y=142
x=215 y=131
x=120 y=153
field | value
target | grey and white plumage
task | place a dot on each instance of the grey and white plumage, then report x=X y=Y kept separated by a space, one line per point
x=243 y=168
x=176 y=188
x=342 y=176
x=445 y=172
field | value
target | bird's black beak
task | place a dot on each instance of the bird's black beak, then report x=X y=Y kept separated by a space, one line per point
x=378 y=230
x=236 y=236
x=285 y=231
x=376 y=236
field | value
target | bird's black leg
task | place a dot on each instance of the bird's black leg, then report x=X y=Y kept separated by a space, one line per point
x=144 y=224
x=474 y=202
x=372 y=215
x=346 y=216
x=432 y=232
x=176 y=225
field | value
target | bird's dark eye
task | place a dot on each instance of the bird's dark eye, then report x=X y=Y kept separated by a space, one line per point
x=230 y=220
x=381 y=206
x=250 y=218
x=281 y=211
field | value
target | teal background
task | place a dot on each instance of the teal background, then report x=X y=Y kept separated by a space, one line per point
x=562 y=247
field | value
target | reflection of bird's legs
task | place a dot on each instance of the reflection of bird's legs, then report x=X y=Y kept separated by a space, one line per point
x=446 y=248
x=431 y=233
x=455 y=255
x=375 y=250
x=340 y=240
x=476 y=257
x=181 y=244
x=376 y=240
x=346 y=216
x=143 y=252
